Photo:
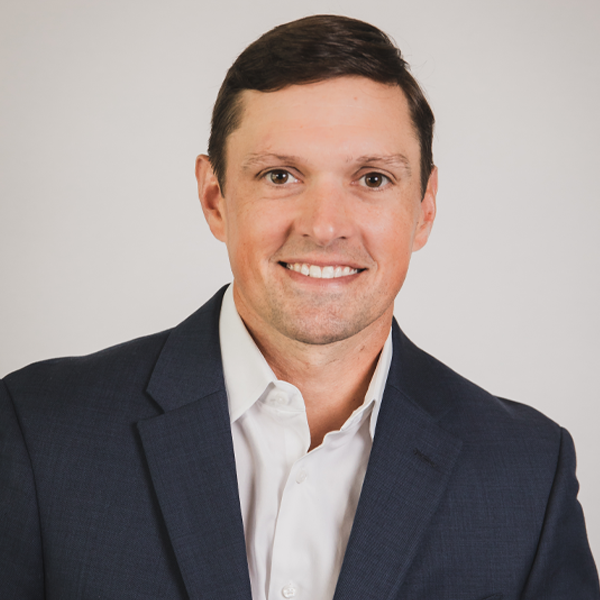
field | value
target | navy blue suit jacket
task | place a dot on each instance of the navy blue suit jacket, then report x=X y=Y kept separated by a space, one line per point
x=117 y=480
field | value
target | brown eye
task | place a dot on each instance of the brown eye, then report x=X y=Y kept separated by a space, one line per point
x=374 y=180
x=278 y=177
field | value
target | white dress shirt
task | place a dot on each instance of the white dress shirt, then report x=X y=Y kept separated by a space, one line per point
x=297 y=506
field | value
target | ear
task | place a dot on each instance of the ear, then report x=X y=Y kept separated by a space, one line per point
x=211 y=199
x=428 y=211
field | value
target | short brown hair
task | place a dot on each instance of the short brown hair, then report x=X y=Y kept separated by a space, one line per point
x=314 y=49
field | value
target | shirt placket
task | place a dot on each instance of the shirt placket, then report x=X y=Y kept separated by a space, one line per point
x=288 y=565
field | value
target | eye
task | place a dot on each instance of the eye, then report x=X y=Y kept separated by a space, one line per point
x=374 y=180
x=280 y=177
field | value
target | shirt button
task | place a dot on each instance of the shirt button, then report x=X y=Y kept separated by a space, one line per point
x=301 y=476
x=289 y=591
x=280 y=399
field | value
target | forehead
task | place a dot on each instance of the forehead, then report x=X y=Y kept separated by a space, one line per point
x=351 y=114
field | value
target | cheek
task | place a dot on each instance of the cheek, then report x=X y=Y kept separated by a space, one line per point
x=254 y=235
x=390 y=236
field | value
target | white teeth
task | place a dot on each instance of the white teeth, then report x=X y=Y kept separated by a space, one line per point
x=315 y=271
x=328 y=272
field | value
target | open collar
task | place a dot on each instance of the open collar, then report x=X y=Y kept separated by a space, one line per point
x=247 y=374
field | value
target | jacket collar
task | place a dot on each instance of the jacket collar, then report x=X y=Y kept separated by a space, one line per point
x=189 y=366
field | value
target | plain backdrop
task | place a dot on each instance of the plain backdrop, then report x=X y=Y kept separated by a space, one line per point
x=105 y=105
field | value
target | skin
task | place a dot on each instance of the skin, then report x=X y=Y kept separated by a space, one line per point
x=323 y=174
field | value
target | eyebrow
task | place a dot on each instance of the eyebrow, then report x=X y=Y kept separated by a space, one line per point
x=258 y=159
x=391 y=160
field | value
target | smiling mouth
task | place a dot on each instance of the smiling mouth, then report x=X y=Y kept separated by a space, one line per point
x=327 y=272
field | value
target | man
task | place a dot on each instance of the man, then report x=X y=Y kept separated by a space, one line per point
x=287 y=440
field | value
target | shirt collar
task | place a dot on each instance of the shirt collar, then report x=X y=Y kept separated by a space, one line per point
x=247 y=374
x=377 y=386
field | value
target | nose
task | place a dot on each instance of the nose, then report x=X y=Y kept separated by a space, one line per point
x=325 y=213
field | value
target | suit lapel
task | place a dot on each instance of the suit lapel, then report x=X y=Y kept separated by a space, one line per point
x=190 y=457
x=409 y=467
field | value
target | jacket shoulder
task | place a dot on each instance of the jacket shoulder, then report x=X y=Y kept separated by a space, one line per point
x=463 y=407
x=63 y=385
x=121 y=368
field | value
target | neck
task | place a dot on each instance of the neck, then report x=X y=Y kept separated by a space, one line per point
x=333 y=378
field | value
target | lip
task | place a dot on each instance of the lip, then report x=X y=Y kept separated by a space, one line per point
x=320 y=282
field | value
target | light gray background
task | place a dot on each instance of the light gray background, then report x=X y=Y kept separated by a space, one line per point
x=104 y=106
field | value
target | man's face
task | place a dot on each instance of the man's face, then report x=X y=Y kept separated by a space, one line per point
x=322 y=207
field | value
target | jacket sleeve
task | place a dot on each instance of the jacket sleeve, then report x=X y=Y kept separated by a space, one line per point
x=563 y=568
x=21 y=565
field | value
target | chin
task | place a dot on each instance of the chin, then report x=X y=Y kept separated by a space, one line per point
x=320 y=330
